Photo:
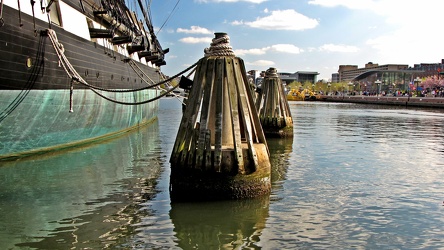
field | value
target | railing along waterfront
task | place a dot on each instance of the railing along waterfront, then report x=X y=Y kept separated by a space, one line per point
x=433 y=102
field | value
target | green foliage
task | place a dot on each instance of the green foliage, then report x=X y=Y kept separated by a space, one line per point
x=321 y=86
x=174 y=82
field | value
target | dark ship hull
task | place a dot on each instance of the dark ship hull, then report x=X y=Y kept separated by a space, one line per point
x=35 y=89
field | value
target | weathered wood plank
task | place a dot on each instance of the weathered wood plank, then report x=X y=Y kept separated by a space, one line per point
x=191 y=159
x=259 y=99
x=189 y=117
x=245 y=116
x=232 y=90
x=256 y=122
x=208 y=162
x=205 y=113
x=220 y=79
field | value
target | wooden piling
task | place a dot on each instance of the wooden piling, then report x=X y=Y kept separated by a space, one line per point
x=220 y=150
x=272 y=107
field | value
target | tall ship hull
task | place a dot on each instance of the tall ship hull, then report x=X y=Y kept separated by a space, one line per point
x=69 y=71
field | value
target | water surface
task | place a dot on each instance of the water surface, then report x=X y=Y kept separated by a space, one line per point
x=353 y=177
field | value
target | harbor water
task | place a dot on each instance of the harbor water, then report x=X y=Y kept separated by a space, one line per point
x=354 y=176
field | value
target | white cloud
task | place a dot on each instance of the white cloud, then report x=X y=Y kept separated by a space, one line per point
x=285 y=48
x=417 y=13
x=412 y=28
x=194 y=30
x=237 y=22
x=196 y=40
x=230 y=1
x=281 y=20
x=351 y=4
x=242 y=52
x=403 y=46
x=414 y=36
x=338 y=48
x=311 y=49
x=394 y=11
x=261 y=63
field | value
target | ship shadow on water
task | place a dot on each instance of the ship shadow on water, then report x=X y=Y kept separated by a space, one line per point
x=85 y=198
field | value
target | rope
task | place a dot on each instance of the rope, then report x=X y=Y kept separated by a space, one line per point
x=271 y=72
x=171 y=13
x=135 y=103
x=20 y=13
x=140 y=89
x=71 y=92
x=220 y=46
x=73 y=74
x=140 y=73
x=33 y=16
x=2 y=22
x=30 y=83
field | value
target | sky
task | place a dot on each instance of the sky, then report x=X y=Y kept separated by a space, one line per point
x=302 y=35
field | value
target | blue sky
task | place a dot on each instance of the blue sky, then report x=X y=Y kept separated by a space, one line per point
x=303 y=35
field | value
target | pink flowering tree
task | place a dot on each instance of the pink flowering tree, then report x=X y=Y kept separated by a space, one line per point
x=432 y=82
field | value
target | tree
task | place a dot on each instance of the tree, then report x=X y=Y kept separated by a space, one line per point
x=432 y=82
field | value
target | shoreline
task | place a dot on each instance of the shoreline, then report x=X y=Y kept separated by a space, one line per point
x=429 y=102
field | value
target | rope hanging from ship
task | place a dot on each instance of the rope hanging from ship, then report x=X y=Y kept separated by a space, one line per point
x=140 y=72
x=149 y=100
x=36 y=69
x=2 y=22
x=73 y=74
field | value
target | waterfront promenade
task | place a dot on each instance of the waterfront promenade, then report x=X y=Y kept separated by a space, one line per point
x=430 y=102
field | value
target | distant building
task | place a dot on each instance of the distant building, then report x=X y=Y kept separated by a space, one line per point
x=348 y=73
x=430 y=69
x=388 y=78
x=335 y=77
x=299 y=76
x=256 y=76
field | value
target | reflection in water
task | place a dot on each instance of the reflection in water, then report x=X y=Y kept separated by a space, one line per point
x=87 y=197
x=229 y=224
x=220 y=225
x=280 y=150
x=361 y=177
x=352 y=177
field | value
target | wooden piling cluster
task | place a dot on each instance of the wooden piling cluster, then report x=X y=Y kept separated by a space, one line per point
x=220 y=150
x=272 y=106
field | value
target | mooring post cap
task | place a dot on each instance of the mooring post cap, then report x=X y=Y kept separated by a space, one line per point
x=220 y=34
x=271 y=72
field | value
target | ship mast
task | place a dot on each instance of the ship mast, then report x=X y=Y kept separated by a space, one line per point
x=158 y=47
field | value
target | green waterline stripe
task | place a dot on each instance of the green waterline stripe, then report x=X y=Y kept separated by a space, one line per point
x=66 y=146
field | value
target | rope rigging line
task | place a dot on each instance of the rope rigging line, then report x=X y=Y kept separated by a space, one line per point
x=169 y=16
x=148 y=7
x=2 y=22
x=30 y=82
x=140 y=73
x=73 y=74
x=178 y=96
x=135 y=103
